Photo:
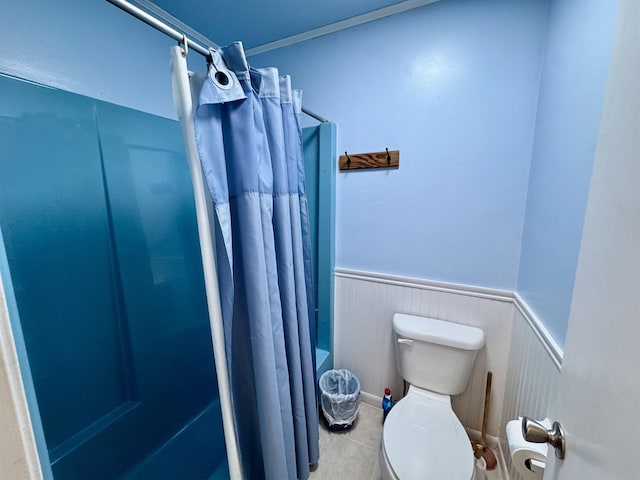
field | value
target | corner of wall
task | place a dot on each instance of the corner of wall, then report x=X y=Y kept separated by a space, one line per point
x=534 y=120
x=533 y=373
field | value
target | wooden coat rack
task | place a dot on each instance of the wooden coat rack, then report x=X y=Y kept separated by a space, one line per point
x=360 y=161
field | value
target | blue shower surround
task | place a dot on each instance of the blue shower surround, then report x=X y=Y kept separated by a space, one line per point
x=97 y=215
x=319 y=145
x=23 y=361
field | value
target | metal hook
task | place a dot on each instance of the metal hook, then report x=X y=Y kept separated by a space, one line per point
x=348 y=159
x=388 y=157
x=185 y=43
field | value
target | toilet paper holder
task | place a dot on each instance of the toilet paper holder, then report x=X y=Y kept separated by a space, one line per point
x=536 y=466
x=535 y=432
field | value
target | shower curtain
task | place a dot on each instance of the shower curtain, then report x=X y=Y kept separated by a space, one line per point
x=248 y=141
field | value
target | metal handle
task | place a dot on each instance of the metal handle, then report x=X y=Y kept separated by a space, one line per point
x=405 y=341
x=535 y=432
x=535 y=465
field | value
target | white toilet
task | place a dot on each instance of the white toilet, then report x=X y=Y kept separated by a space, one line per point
x=422 y=437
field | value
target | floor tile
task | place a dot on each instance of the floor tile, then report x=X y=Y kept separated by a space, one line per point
x=368 y=428
x=354 y=454
x=351 y=454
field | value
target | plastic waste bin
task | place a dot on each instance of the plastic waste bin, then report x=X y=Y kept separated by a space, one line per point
x=339 y=398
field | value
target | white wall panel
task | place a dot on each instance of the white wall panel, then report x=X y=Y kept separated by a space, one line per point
x=524 y=359
x=532 y=374
x=363 y=341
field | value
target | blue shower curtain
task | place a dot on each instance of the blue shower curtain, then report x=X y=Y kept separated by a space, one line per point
x=249 y=142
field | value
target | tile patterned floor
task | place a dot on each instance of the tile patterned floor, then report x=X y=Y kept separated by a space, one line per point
x=352 y=454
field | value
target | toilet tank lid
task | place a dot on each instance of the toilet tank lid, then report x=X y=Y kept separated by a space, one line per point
x=438 y=331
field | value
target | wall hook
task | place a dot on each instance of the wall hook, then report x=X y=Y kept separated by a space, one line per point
x=348 y=159
x=360 y=161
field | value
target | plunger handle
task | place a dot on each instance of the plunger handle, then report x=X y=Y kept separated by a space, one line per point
x=485 y=415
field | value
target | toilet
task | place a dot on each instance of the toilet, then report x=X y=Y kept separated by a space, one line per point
x=422 y=437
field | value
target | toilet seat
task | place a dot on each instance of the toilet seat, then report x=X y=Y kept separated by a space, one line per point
x=423 y=439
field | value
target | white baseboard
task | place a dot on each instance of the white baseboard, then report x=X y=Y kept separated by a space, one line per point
x=502 y=462
x=371 y=399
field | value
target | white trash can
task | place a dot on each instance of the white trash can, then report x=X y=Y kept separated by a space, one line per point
x=339 y=398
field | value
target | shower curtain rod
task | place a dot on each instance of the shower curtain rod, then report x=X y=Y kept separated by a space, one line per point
x=180 y=37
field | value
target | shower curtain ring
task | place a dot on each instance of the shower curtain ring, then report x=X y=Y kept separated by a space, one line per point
x=185 y=43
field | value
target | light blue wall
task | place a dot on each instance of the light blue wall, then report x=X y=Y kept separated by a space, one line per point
x=91 y=48
x=453 y=86
x=572 y=88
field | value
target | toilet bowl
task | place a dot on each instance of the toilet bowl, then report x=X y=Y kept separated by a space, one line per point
x=422 y=436
x=423 y=439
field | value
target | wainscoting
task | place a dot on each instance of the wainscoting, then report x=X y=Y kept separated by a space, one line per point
x=524 y=361
x=533 y=373
x=364 y=306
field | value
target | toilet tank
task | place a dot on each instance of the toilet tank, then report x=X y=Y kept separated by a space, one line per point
x=434 y=354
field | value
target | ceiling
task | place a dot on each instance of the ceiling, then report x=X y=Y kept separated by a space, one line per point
x=256 y=22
